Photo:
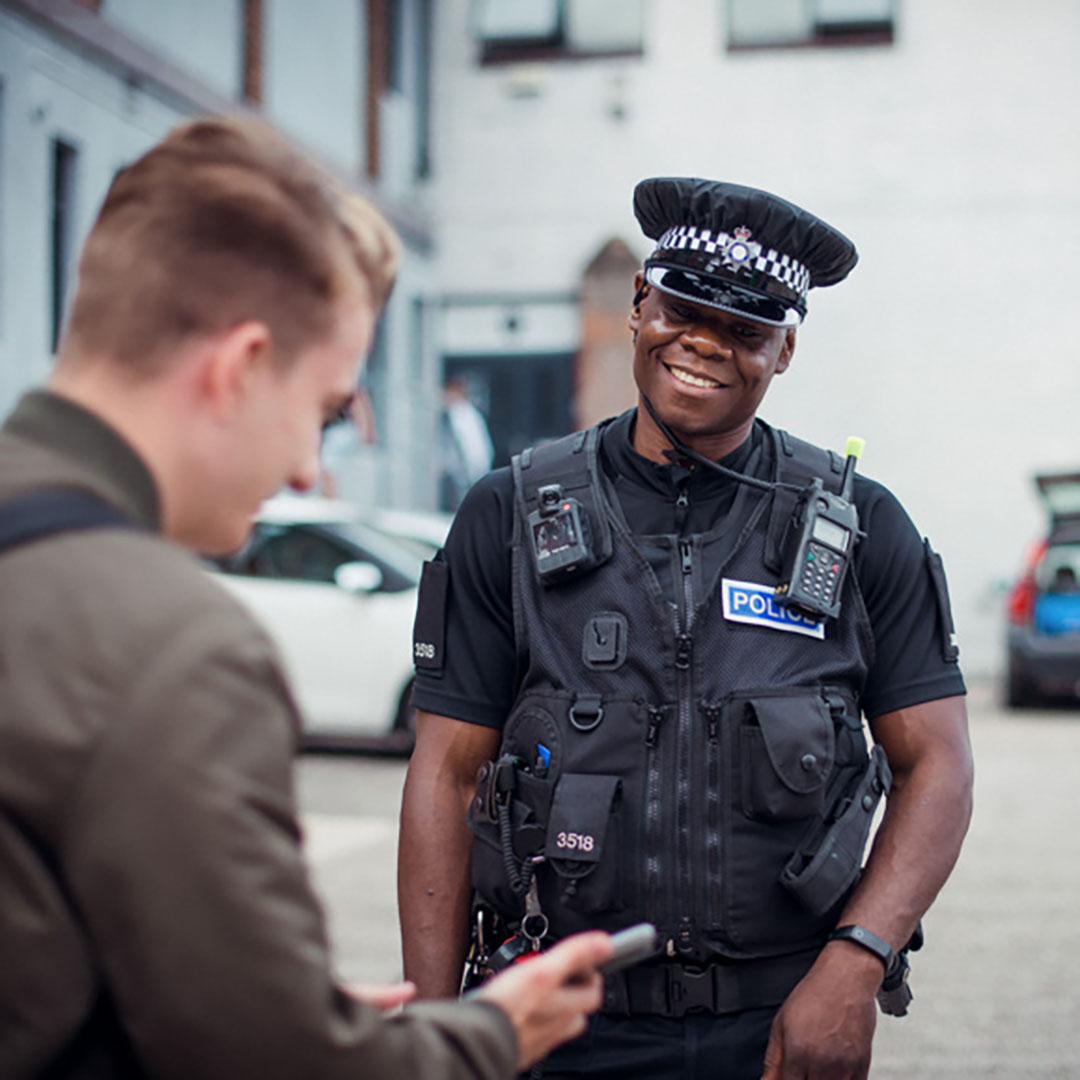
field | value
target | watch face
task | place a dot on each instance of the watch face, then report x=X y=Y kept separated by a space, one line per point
x=859 y=935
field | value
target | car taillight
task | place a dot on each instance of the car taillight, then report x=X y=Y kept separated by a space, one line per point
x=1021 y=604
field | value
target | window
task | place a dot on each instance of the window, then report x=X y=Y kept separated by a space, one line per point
x=395 y=45
x=377 y=377
x=65 y=162
x=313 y=553
x=511 y=30
x=754 y=24
x=3 y=222
x=398 y=43
x=297 y=554
x=422 y=163
x=417 y=340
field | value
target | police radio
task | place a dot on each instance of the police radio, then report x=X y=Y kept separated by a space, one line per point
x=559 y=533
x=820 y=543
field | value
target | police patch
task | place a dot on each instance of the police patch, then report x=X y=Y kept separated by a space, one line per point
x=753 y=603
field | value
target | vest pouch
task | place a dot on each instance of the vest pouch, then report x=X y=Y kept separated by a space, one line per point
x=787 y=750
x=582 y=844
x=777 y=792
x=528 y=798
x=820 y=874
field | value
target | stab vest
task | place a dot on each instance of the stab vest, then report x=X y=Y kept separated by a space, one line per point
x=664 y=761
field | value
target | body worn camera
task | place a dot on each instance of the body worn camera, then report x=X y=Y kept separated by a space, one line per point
x=559 y=535
x=819 y=548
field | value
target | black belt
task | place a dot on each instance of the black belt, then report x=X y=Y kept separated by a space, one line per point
x=729 y=987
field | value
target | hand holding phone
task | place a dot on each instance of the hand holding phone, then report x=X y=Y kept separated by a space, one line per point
x=632 y=945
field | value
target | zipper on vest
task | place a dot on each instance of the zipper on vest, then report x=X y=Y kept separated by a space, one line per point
x=686 y=560
x=652 y=734
x=654 y=787
x=712 y=824
x=686 y=935
x=683 y=649
x=684 y=759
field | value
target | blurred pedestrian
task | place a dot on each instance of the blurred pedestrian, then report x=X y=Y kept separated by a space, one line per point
x=156 y=915
x=466 y=441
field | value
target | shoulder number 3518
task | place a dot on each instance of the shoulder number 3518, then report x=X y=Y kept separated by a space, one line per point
x=572 y=841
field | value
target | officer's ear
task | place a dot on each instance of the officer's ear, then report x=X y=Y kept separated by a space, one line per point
x=787 y=351
x=641 y=290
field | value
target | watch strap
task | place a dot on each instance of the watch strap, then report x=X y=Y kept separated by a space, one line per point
x=859 y=935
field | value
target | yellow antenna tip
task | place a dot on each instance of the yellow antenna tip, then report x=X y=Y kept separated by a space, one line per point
x=854 y=446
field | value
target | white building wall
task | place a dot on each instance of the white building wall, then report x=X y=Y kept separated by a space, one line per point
x=49 y=89
x=952 y=159
x=313 y=75
x=49 y=93
x=204 y=37
x=401 y=468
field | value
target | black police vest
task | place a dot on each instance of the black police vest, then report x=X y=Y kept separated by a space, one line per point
x=701 y=764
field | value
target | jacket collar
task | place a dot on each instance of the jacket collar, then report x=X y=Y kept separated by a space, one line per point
x=75 y=433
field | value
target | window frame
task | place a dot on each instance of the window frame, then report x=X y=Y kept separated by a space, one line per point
x=820 y=33
x=65 y=165
x=494 y=52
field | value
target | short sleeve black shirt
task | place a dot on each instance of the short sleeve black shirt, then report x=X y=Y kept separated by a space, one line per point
x=478 y=680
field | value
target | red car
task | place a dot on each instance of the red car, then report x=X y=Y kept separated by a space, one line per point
x=1044 y=605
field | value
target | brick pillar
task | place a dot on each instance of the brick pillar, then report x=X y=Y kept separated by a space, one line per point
x=604 y=368
x=253 y=51
x=378 y=79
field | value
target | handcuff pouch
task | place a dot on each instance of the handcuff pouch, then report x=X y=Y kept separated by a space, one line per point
x=820 y=873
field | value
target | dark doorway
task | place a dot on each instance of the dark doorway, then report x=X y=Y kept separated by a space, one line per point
x=526 y=399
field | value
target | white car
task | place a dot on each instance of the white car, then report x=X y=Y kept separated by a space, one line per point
x=423 y=530
x=339 y=597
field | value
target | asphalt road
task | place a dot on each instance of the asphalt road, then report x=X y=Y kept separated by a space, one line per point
x=997 y=988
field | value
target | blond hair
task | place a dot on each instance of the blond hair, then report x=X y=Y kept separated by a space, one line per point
x=222 y=222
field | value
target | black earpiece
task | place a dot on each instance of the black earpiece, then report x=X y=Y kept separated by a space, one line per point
x=639 y=296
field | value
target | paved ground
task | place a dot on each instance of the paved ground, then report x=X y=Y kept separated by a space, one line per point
x=998 y=985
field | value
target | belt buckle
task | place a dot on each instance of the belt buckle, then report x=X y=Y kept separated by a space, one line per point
x=689 y=988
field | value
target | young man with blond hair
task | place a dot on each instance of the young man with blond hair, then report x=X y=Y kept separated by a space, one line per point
x=156 y=915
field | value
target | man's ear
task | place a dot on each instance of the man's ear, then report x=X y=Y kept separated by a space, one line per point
x=641 y=290
x=233 y=363
x=787 y=351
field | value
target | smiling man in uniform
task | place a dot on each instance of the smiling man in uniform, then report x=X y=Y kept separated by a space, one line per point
x=668 y=740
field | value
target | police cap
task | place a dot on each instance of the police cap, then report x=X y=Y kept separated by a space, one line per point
x=738 y=248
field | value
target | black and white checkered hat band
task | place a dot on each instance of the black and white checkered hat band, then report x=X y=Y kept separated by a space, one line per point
x=782 y=268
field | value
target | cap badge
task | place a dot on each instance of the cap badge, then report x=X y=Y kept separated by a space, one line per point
x=740 y=250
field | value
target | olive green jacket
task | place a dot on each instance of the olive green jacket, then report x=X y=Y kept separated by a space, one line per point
x=156 y=915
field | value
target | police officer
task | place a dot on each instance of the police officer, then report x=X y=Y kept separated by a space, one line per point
x=659 y=732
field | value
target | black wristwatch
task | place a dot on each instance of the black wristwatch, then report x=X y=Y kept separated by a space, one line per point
x=859 y=935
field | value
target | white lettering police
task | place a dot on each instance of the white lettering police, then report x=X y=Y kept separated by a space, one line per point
x=753 y=603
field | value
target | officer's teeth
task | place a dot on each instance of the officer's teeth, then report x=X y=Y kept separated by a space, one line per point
x=692 y=380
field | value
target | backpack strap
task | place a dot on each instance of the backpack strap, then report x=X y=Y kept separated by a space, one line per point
x=570 y=462
x=797 y=463
x=45 y=512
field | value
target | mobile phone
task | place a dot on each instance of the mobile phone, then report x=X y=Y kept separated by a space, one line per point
x=632 y=945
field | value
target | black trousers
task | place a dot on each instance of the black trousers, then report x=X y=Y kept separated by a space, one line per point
x=697 y=1047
